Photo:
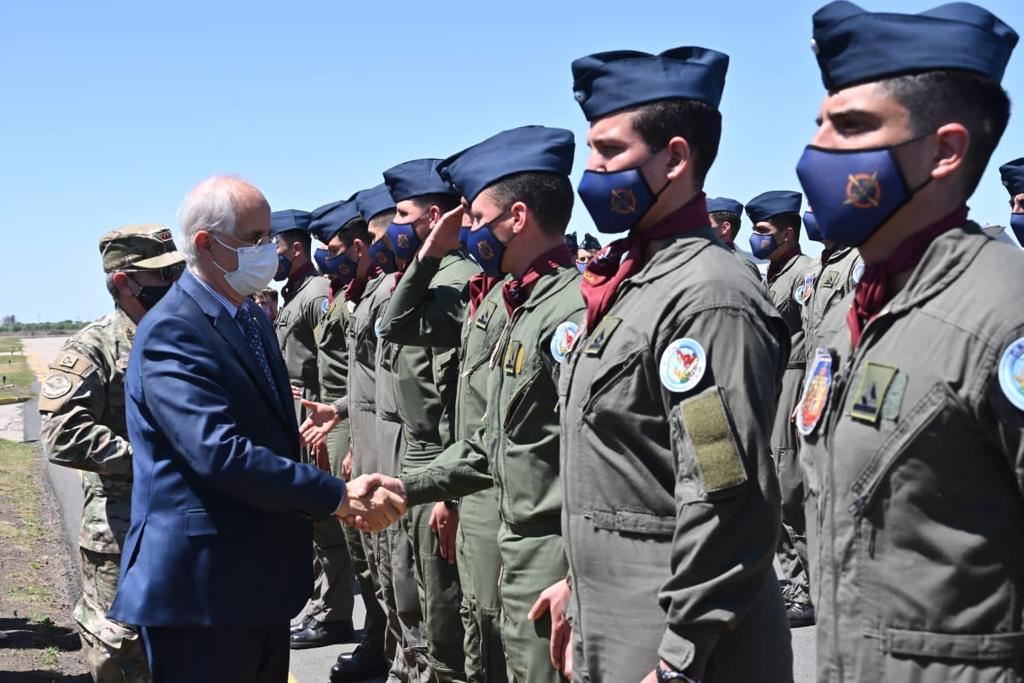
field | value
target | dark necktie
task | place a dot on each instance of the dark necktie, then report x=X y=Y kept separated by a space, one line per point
x=252 y=335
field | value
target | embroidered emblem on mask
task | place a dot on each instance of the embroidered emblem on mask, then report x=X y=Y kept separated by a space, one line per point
x=485 y=250
x=403 y=241
x=623 y=201
x=863 y=190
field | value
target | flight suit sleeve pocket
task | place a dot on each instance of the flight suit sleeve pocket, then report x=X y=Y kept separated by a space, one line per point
x=198 y=523
x=635 y=522
x=708 y=452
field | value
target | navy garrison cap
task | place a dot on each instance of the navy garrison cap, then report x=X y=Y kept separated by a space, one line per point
x=772 y=203
x=415 y=179
x=608 y=82
x=590 y=243
x=1012 y=174
x=571 y=242
x=854 y=46
x=289 y=219
x=716 y=204
x=530 y=149
x=373 y=201
x=328 y=219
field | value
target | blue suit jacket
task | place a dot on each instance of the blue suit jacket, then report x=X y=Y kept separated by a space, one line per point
x=221 y=529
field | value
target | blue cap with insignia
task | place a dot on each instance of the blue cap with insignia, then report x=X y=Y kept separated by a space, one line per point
x=374 y=201
x=289 y=219
x=1012 y=174
x=854 y=46
x=716 y=204
x=529 y=149
x=415 y=179
x=772 y=203
x=328 y=219
x=607 y=82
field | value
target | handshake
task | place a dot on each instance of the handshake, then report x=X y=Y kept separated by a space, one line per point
x=373 y=502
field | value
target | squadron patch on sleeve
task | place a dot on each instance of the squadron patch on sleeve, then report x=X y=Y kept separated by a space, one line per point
x=56 y=385
x=815 y=396
x=858 y=272
x=351 y=305
x=324 y=306
x=376 y=328
x=803 y=293
x=563 y=339
x=1011 y=373
x=682 y=365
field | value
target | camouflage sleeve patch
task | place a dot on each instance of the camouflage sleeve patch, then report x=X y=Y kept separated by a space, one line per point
x=706 y=421
x=66 y=374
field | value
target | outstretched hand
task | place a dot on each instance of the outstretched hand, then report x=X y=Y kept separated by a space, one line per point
x=321 y=418
x=370 y=505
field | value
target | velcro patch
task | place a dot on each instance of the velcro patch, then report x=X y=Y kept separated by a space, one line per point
x=602 y=333
x=73 y=363
x=483 y=316
x=706 y=422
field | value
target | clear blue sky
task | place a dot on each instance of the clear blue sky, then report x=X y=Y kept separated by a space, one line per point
x=111 y=111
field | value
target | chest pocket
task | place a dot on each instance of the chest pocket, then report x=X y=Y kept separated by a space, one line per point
x=521 y=367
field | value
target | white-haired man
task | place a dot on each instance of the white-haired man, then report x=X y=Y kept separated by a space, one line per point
x=221 y=507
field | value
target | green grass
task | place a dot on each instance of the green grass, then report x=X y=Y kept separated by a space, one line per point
x=18 y=490
x=49 y=657
x=18 y=386
x=9 y=344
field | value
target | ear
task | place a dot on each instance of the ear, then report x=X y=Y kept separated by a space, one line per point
x=358 y=248
x=953 y=142
x=435 y=213
x=296 y=249
x=679 y=157
x=519 y=212
x=202 y=240
x=123 y=283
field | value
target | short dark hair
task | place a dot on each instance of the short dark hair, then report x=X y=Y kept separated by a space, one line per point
x=699 y=123
x=445 y=202
x=382 y=220
x=548 y=195
x=266 y=293
x=300 y=236
x=935 y=98
x=782 y=221
x=733 y=219
x=355 y=229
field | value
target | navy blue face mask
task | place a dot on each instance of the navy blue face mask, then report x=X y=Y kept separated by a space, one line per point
x=284 y=265
x=761 y=246
x=484 y=247
x=812 y=227
x=382 y=256
x=341 y=266
x=404 y=240
x=617 y=200
x=1017 y=225
x=854 y=192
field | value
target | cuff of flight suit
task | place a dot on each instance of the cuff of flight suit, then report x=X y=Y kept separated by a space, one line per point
x=419 y=489
x=688 y=649
x=341 y=407
x=420 y=273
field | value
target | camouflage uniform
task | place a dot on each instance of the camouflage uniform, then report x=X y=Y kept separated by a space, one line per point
x=83 y=426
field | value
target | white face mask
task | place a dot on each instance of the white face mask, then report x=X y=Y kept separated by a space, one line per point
x=256 y=266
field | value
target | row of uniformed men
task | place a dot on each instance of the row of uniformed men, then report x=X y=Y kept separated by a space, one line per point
x=610 y=435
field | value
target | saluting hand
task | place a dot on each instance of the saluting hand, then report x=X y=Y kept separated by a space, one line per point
x=445 y=235
x=444 y=522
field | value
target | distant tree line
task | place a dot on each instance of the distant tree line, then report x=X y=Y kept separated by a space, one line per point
x=33 y=329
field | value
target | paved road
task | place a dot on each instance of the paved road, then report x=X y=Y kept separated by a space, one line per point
x=307 y=666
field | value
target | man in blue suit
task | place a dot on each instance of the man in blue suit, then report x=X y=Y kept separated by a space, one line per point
x=218 y=554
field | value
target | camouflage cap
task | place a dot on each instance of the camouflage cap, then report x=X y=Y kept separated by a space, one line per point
x=139 y=247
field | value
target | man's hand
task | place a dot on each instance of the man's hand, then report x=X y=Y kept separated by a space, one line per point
x=554 y=599
x=366 y=483
x=444 y=522
x=653 y=676
x=296 y=392
x=346 y=466
x=321 y=418
x=444 y=237
x=371 y=506
x=320 y=456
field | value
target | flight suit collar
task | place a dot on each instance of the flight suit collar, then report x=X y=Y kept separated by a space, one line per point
x=791 y=260
x=550 y=285
x=673 y=254
x=297 y=283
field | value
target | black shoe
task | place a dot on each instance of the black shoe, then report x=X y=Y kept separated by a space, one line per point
x=359 y=666
x=800 y=614
x=318 y=635
x=302 y=625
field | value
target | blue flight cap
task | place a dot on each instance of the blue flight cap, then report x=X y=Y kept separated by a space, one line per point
x=529 y=149
x=716 y=204
x=328 y=219
x=590 y=243
x=772 y=203
x=1012 y=174
x=571 y=242
x=608 y=82
x=415 y=179
x=373 y=201
x=854 y=46
x=289 y=219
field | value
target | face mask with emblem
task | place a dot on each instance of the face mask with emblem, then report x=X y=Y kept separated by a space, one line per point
x=284 y=266
x=854 y=191
x=256 y=266
x=340 y=267
x=617 y=200
x=762 y=246
x=404 y=240
x=484 y=247
x=382 y=256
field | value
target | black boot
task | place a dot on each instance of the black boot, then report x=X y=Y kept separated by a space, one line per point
x=318 y=635
x=359 y=666
x=800 y=614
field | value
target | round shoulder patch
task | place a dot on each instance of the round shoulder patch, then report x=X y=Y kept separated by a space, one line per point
x=351 y=305
x=563 y=339
x=1011 y=373
x=858 y=272
x=814 y=398
x=324 y=306
x=376 y=328
x=682 y=365
x=56 y=385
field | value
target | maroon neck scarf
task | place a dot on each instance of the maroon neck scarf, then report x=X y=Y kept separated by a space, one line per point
x=874 y=290
x=479 y=286
x=608 y=269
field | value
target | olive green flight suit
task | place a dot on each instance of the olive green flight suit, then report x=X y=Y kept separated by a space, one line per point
x=834 y=279
x=420 y=314
x=519 y=447
x=425 y=380
x=362 y=415
x=334 y=584
x=749 y=265
x=83 y=427
x=670 y=498
x=914 y=474
x=304 y=301
x=789 y=290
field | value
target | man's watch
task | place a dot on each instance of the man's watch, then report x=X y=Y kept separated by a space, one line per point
x=663 y=675
x=451 y=505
